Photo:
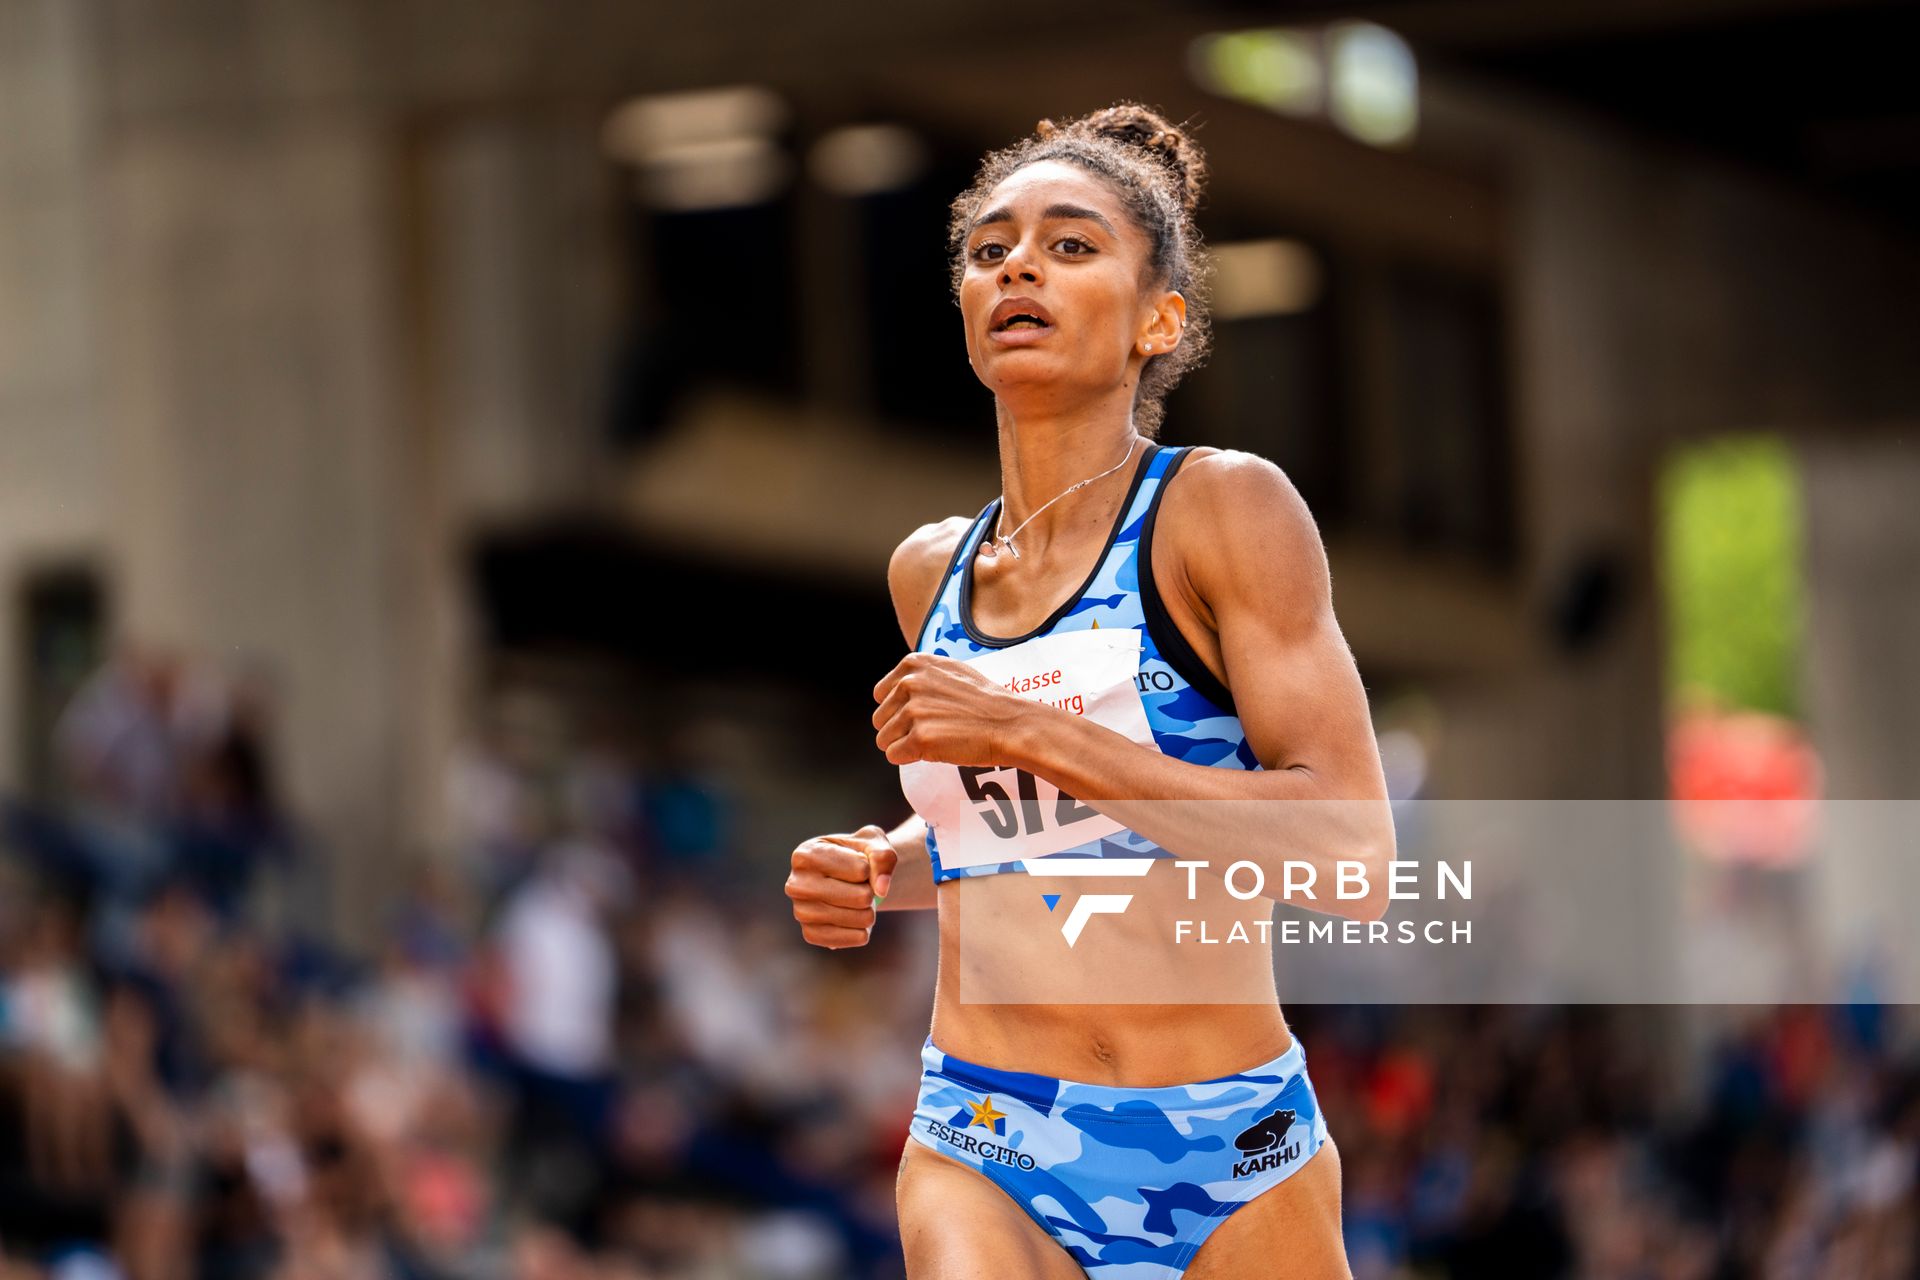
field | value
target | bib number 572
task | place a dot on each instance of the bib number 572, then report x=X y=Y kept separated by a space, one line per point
x=997 y=809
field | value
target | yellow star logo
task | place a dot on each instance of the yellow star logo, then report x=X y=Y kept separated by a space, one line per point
x=984 y=1114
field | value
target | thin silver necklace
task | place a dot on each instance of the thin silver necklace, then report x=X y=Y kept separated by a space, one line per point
x=987 y=548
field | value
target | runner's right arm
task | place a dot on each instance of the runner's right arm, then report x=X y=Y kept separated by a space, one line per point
x=912 y=885
x=914 y=576
x=835 y=880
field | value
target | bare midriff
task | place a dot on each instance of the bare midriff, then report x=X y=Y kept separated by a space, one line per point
x=1136 y=1001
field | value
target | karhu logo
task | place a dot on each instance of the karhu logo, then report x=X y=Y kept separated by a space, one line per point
x=1265 y=1144
x=1087 y=905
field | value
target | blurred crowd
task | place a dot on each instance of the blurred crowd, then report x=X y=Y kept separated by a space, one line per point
x=1557 y=1142
x=588 y=1044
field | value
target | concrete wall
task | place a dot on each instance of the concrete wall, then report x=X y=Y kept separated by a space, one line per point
x=1863 y=690
x=53 y=445
x=1862 y=510
x=263 y=485
x=275 y=336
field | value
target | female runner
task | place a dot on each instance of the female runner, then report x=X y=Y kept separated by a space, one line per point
x=1131 y=634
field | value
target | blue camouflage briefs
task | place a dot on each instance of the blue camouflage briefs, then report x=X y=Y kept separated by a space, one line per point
x=1130 y=1181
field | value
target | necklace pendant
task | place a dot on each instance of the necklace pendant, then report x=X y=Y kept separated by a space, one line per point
x=988 y=550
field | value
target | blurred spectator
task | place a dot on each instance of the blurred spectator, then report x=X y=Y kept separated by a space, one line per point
x=118 y=744
x=559 y=967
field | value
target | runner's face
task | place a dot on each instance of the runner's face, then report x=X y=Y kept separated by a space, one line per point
x=1059 y=238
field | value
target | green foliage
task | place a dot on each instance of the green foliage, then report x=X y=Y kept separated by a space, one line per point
x=1731 y=527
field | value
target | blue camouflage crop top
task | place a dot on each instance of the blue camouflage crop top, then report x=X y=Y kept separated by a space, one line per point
x=1189 y=711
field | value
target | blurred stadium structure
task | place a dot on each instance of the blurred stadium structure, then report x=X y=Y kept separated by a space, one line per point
x=448 y=456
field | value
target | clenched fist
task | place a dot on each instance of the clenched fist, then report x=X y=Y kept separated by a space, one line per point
x=836 y=883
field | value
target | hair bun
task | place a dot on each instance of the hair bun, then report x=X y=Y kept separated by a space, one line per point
x=1143 y=127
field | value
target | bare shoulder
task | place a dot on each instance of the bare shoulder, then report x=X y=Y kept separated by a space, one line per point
x=1234 y=519
x=917 y=567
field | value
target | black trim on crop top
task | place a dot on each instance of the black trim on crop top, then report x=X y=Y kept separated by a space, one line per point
x=993 y=510
x=1173 y=646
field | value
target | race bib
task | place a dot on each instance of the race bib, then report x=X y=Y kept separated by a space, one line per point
x=991 y=814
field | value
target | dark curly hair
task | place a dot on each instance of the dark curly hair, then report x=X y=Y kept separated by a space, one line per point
x=1159 y=173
